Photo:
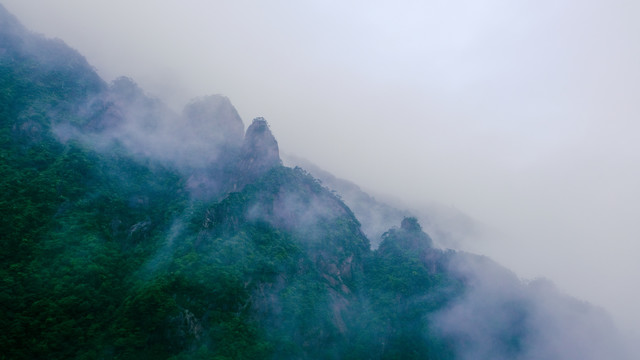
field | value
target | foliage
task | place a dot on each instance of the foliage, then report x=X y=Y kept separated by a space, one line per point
x=104 y=255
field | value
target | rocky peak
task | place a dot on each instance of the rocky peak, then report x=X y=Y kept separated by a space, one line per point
x=410 y=224
x=215 y=118
x=123 y=102
x=260 y=149
x=409 y=237
x=125 y=89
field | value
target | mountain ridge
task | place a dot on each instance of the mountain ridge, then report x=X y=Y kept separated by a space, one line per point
x=127 y=235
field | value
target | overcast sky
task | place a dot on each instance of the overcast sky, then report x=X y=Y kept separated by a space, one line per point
x=522 y=114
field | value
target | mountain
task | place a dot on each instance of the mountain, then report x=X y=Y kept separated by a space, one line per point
x=129 y=231
x=375 y=216
x=449 y=227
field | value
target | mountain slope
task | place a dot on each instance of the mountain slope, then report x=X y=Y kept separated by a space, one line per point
x=449 y=227
x=132 y=232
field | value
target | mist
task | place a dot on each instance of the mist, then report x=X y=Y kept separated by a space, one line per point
x=520 y=115
x=551 y=325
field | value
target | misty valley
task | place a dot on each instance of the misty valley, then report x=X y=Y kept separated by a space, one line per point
x=132 y=231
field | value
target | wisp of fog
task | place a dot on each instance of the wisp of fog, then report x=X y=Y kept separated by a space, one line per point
x=520 y=116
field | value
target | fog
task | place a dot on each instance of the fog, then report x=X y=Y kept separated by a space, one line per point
x=522 y=115
x=499 y=308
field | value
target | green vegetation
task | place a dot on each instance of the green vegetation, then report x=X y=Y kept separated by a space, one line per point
x=106 y=255
x=109 y=255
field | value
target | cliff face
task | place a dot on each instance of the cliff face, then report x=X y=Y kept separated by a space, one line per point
x=260 y=149
x=259 y=153
x=308 y=294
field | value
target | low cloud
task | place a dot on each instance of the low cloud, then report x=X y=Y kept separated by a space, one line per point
x=501 y=317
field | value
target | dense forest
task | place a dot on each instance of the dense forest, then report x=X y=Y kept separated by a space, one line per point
x=129 y=231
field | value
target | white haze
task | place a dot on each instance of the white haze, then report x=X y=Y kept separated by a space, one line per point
x=522 y=114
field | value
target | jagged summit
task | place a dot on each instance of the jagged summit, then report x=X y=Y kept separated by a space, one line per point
x=215 y=116
x=125 y=89
x=197 y=249
x=259 y=126
x=408 y=237
x=410 y=224
x=260 y=149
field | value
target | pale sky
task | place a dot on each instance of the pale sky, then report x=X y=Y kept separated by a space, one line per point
x=522 y=114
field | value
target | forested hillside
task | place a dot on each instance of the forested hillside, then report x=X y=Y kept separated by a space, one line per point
x=129 y=231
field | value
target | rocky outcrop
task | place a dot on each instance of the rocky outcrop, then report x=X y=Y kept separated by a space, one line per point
x=215 y=119
x=259 y=151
